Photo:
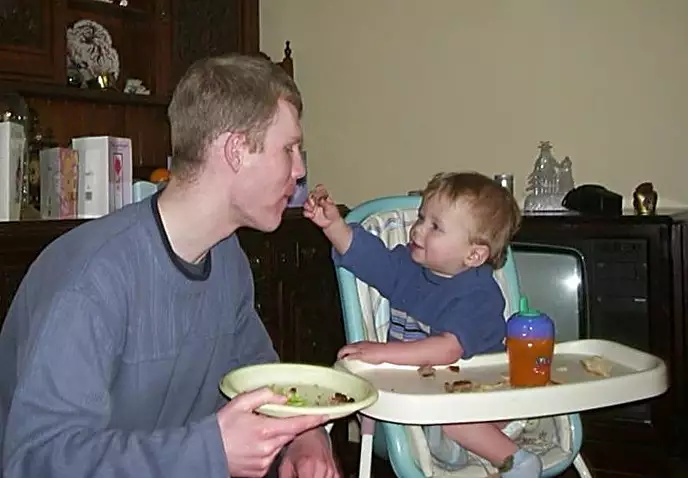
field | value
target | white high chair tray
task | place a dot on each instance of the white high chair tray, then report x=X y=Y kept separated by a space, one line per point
x=406 y=397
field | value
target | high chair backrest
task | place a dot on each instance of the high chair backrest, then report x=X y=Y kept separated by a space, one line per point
x=366 y=313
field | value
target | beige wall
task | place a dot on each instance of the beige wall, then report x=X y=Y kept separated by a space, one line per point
x=397 y=90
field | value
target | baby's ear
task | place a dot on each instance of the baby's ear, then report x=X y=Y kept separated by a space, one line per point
x=477 y=255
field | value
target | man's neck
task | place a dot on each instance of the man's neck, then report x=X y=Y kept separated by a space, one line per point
x=193 y=220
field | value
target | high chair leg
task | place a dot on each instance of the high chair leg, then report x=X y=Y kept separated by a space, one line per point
x=581 y=467
x=367 y=430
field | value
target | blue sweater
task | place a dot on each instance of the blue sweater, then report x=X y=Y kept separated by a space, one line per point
x=469 y=305
x=111 y=355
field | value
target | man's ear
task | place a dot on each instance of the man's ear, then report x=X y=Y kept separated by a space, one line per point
x=478 y=255
x=234 y=146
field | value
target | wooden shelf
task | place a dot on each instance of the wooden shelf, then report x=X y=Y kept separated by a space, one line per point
x=109 y=9
x=82 y=94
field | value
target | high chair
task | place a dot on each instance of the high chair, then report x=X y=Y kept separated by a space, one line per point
x=366 y=317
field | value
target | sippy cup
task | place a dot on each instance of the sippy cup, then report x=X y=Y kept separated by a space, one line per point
x=530 y=346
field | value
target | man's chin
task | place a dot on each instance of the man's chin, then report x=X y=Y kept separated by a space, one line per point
x=268 y=222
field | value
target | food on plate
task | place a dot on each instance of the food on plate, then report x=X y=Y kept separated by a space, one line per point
x=454 y=368
x=311 y=396
x=340 y=398
x=426 y=371
x=598 y=366
x=293 y=397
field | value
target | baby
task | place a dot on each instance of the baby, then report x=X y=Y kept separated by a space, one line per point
x=445 y=304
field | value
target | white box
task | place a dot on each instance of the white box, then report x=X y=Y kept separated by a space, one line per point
x=59 y=183
x=12 y=150
x=105 y=174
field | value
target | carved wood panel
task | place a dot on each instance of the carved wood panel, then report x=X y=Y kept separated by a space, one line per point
x=211 y=27
x=31 y=35
x=21 y=23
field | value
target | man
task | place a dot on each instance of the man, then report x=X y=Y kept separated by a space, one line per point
x=118 y=335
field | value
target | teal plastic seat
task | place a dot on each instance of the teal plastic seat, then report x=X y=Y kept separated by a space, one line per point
x=365 y=313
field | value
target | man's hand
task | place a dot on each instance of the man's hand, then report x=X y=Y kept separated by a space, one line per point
x=320 y=208
x=309 y=456
x=370 y=352
x=252 y=441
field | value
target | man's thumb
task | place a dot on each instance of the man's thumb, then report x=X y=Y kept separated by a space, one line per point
x=249 y=401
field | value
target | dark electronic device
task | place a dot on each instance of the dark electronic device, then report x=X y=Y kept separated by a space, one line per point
x=593 y=199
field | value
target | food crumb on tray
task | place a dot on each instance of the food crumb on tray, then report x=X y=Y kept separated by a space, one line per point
x=426 y=371
x=598 y=366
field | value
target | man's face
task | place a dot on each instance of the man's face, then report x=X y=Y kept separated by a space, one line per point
x=266 y=179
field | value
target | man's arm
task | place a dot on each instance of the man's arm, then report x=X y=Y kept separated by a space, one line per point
x=58 y=424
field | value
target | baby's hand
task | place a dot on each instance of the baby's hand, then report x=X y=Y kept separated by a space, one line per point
x=320 y=208
x=366 y=351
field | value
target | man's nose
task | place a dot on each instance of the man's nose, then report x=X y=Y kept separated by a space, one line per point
x=298 y=169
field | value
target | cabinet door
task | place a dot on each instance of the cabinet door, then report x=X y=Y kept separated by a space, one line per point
x=20 y=244
x=268 y=301
x=32 y=39
x=311 y=296
x=12 y=271
x=211 y=27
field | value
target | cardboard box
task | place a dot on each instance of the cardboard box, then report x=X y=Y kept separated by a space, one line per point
x=105 y=174
x=12 y=151
x=59 y=183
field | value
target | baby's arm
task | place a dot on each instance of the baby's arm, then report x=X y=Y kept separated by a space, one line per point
x=442 y=349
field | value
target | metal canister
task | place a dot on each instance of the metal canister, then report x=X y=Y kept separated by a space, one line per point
x=506 y=181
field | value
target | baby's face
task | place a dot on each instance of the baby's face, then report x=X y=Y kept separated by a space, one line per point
x=440 y=237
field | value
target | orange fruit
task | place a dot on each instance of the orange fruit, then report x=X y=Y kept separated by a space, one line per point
x=159 y=175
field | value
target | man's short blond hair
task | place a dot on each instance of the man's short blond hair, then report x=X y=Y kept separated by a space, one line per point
x=495 y=213
x=234 y=93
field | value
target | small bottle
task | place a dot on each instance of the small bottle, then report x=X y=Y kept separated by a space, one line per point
x=530 y=346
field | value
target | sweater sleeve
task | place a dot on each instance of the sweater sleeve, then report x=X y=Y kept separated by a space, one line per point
x=372 y=262
x=58 y=421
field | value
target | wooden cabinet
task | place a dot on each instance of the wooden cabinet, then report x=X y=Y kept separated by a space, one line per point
x=208 y=28
x=156 y=41
x=30 y=43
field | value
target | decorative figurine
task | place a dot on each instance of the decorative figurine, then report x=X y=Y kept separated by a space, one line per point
x=645 y=199
x=549 y=182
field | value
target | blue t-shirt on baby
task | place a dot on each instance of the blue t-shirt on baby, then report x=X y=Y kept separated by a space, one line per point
x=469 y=305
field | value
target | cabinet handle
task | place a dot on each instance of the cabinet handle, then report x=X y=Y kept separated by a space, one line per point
x=254 y=261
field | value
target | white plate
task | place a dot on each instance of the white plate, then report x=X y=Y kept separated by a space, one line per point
x=313 y=383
